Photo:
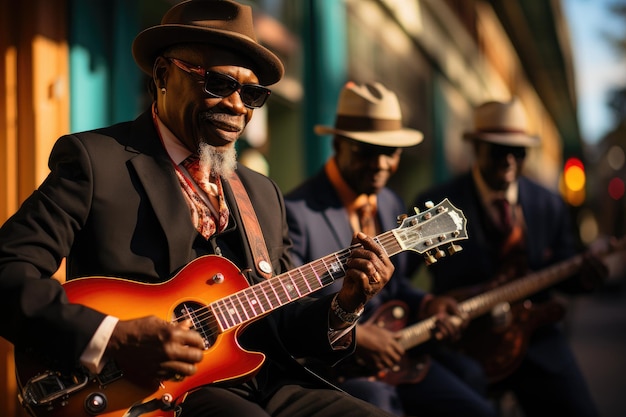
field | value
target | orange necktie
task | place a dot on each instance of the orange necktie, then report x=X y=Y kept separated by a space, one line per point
x=366 y=219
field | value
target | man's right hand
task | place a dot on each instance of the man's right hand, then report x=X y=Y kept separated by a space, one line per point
x=149 y=349
x=377 y=346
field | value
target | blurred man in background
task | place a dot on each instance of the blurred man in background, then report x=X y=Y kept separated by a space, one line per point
x=515 y=226
x=350 y=195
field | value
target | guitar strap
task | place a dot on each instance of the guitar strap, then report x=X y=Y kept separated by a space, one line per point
x=262 y=260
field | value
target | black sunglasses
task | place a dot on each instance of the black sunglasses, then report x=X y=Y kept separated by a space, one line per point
x=221 y=85
x=368 y=151
x=502 y=151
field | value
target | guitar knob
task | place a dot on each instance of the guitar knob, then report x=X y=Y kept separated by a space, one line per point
x=167 y=400
x=439 y=253
x=452 y=249
x=401 y=218
x=429 y=204
x=218 y=278
x=95 y=403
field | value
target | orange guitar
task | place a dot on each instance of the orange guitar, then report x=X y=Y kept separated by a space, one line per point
x=214 y=294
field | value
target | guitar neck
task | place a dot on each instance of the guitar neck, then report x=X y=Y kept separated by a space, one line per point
x=521 y=288
x=518 y=289
x=417 y=333
x=532 y=283
x=421 y=332
x=260 y=299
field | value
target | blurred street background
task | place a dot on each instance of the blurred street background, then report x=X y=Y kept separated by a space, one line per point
x=66 y=66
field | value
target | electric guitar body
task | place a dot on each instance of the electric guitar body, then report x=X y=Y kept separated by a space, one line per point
x=198 y=284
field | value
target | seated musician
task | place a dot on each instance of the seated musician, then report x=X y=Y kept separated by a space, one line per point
x=144 y=200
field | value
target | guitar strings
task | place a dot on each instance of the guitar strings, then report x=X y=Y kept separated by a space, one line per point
x=243 y=305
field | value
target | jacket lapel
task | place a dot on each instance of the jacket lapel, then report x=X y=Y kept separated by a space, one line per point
x=156 y=174
x=386 y=216
x=334 y=212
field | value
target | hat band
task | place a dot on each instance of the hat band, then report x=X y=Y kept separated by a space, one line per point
x=359 y=123
x=501 y=130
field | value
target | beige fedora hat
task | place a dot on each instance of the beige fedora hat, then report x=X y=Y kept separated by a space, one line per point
x=217 y=22
x=370 y=113
x=503 y=123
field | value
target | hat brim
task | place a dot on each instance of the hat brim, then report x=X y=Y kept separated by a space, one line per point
x=394 y=138
x=508 y=139
x=153 y=41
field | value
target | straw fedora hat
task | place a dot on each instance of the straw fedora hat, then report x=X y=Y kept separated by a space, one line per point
x=218 y=22
x=370 y=113
x=503 y=123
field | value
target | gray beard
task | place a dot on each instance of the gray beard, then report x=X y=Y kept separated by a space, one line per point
x=222 y=162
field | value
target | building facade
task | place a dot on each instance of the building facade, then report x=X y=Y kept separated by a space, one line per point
x=66 y=66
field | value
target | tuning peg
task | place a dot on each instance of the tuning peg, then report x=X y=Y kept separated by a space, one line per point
x=401 y=218
x=439 y=253
x=417 y=211
x=452 y=249
x=429 y=204
x=429 y=259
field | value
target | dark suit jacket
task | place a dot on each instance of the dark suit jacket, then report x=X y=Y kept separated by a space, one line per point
x=549 y=240
x=549 y=232
x=113 y=206
x=319 y=225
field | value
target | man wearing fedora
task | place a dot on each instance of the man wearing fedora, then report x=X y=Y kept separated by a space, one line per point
x=515 y=226
x=326 y=211
x=141 y=200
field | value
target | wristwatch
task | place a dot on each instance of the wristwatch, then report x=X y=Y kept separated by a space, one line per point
x=342 y=314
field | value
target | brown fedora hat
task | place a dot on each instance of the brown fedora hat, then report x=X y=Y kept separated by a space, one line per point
x=218 y=22
x=503 y=123
x=370 y=113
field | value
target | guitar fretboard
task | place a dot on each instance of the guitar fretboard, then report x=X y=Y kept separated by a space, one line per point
x=262 y=298
x=520 y=288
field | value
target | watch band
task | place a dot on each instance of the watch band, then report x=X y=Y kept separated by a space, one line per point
x=342 y=314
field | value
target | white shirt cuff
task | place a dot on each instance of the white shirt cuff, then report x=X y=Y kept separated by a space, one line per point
x=92 y=356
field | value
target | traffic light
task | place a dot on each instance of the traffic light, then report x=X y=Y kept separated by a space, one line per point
x=573 y=182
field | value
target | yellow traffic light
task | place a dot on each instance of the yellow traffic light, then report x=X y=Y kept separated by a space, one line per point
x=574 y=174
x=573 y=182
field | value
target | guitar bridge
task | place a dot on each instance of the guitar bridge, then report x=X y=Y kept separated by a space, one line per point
x=49 y=386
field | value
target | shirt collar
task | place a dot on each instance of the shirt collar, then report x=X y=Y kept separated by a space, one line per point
x=174 y=147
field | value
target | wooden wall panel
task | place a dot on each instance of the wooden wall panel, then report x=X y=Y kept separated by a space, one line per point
x=34 y=111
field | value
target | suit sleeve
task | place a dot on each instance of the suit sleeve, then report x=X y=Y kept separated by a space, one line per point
x=32 y=244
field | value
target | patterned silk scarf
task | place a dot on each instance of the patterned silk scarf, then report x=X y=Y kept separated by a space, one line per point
x=203 y=215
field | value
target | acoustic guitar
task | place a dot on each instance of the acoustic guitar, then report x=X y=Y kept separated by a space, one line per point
x=214 y=294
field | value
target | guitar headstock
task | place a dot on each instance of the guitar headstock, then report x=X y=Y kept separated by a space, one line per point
x=426 y=232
